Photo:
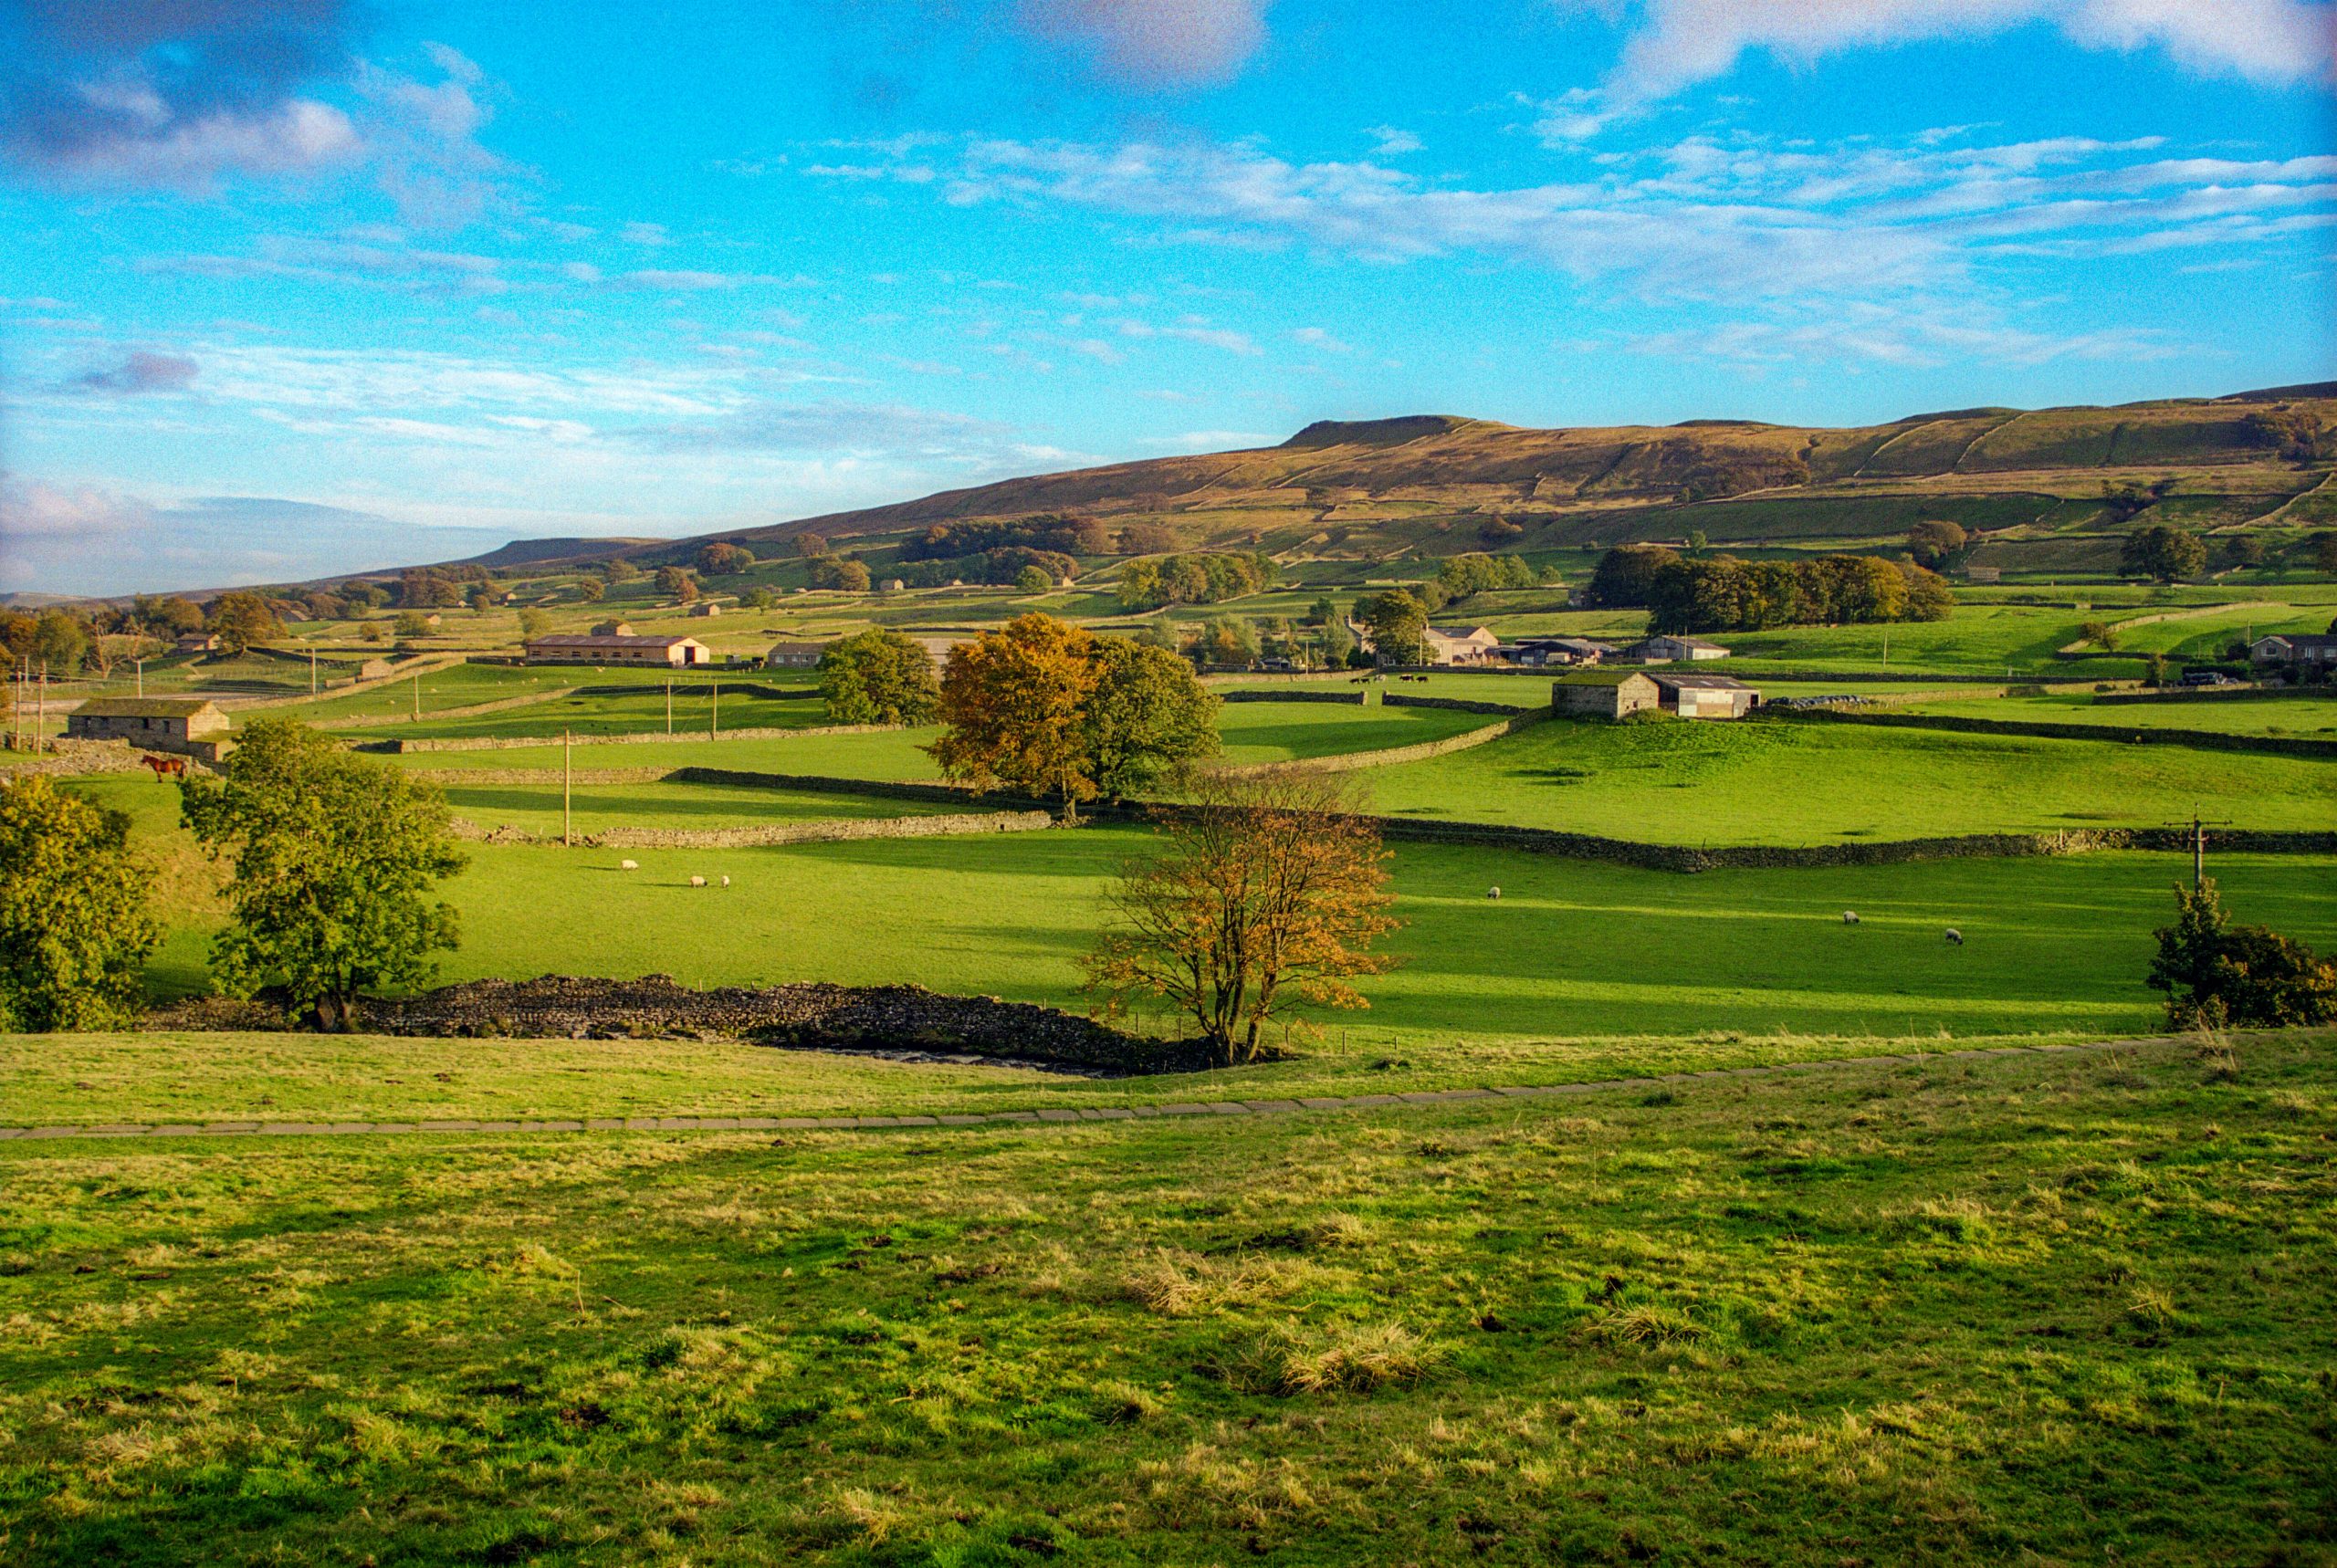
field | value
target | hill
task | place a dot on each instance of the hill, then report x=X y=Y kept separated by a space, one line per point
x=2027 y=482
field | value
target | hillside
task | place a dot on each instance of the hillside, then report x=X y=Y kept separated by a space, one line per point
x=2028 y=481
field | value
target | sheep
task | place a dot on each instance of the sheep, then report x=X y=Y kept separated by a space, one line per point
x=628 y=865
x=1955 y=937
x=1494 y=893
x=1849 y=917
x=698 y=882
x=726 y=882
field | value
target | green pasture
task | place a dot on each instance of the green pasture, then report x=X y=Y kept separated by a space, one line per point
x=1956 y=1312
x=1781 y=781
x=698 y=706
x=596 y=807
x=2312 y=717
x=1283 y=732
x=892 y=754
x=1572 y=949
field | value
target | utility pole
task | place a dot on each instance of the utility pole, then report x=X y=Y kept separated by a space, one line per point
x=713 y=724
x=40 y=724
x=417 y=694
x=669 y=707
x=141 y=676
x=312 y=672
x=2199 y=827
x=567 y=788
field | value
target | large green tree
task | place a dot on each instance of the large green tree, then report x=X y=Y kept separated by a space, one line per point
x=2216 y=972
x=2163 y=552
x=879 y=677
x=75 y=927
x=1147 y=718
x=334 y=860
x=1397 y=622
x=241 y=620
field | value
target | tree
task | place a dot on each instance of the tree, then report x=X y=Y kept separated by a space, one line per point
x=412 y=623
x=2122 y=499
x=2161 y=552
x=1625 y=575
x=334 y=857
x=2324 y=551
x=676 y=584
x=534 y=622
x=2242 y=551
x=811 y=546
x=723 y=558
x=1146 y=719
x=1033 y=580
x=879 y=677
x=620 y=570
x=759 y=598
x=2215 y=972
x=481 y=598
x=167 y=617
x=1931 y=543
x=1398 y=625
x=1337 y=641
x=1225 y=641
x=2101 y=633
x=58 y=642
x=240 y=621
x=1148 y=538
x=1269 y=897
x=75 y=927
x=840 y=573
x=1012 y=702
x=1323 y=611
x=590 y=589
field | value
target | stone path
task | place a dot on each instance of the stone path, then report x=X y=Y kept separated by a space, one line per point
x=1052 y=1114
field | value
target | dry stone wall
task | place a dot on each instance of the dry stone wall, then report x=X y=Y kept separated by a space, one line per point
x=558 y=1007
x=2197 y=739
x=637 y=738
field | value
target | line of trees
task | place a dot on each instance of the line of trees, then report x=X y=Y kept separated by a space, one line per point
x=1045 y=532
x=1204 y=578
x=1725 y=594
x=879 y=676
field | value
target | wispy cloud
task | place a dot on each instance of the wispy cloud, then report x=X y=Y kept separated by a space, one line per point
x=1158 y=44
x=139 y=373
x=1674 y=44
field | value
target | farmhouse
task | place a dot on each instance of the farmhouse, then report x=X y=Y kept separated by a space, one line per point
x=1538 y=652
x=185 y=725
x=1665 y=650
x=2300 y=651
x=794 y=655
x=1706 y=697
x=1452 y=645
x=1603 y=694
x=672 y=652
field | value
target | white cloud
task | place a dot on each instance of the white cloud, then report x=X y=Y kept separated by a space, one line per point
x=1387 y=141
x=1674 y=44
x=1316 y=337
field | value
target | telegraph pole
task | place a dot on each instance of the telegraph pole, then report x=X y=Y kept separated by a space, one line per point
x=141 y=676
x=567 y=788
x=713 y=724
x=669 y=707
x=417 y=694
x=2199 y=827
x=312 y=672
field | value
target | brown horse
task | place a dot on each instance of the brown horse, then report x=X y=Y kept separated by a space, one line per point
x=167 y=767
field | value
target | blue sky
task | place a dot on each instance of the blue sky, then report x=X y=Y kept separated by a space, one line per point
x=295 y=286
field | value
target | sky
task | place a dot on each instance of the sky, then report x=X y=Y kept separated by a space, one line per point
x=292 y=288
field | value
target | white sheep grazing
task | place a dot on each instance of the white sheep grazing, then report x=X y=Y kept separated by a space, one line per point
x=726 y=882
x=1849 y=917
x=698 y=882
x=1494 y=893
x=1955 y=937
x=628 y=865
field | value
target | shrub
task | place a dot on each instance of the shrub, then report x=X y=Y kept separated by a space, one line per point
x=74 y=928
x=2215 y=972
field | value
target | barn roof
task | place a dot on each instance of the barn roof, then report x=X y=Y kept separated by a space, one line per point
x=1607 y=677
x=1701 y=682
x=146 y=707
x=585 y=640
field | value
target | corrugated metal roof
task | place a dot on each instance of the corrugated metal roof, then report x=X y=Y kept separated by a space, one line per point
x=583 y=639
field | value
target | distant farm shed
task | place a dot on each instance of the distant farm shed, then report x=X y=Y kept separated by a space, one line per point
x=1706 y=697
x=190 y=726
x=1666 y=649
x=1603 y=692
x=614 y=629
x=670 y=652
x=794 y=655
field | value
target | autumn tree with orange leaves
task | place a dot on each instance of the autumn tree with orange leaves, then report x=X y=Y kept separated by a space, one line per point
x=1013 y=703
x=1270 y=897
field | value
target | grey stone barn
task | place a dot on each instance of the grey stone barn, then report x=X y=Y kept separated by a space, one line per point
x=1603 y=692
x=193 y=726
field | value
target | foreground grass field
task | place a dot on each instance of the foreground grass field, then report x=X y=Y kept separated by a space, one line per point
x=2046 y=1308
x=2315 y=718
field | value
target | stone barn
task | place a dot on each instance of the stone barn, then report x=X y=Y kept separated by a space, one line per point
x=1706 y=697
x=659 y=653
x=1602 y=694
x=191 y=727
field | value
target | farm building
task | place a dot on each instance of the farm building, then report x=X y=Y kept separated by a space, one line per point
x=706 y=607
x=196 y=643
x=192 y=725
x=1706 y=697
x=1452 y=645
x=794 y=655
x=1603 y=694
x=614 y=629
x=1538 y=652
x=672 y=652
x=2293 y=649
x=1666 y=649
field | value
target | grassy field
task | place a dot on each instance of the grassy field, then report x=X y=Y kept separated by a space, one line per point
x=2315 y=718
x=1572 y=950
x=1283 y=732
x=884 y=754
x=2044 y=1309
x=1782 y=782
x=536 y=807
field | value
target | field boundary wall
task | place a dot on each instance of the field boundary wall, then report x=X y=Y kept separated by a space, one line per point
x=2196 y=739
